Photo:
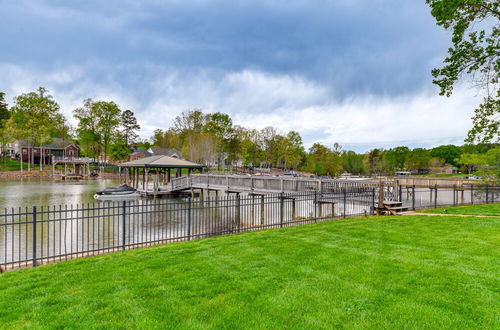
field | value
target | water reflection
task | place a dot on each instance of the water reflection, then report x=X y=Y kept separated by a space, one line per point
x=29 y=192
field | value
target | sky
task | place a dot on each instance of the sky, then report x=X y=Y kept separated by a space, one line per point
x=355 y=72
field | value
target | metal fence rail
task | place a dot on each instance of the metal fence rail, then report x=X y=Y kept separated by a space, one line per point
x=39 y=235
x=414 y=197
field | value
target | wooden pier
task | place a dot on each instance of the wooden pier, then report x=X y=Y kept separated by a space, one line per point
x=253 y=185
x=74 y=168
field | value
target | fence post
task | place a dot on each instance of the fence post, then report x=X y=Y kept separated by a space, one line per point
x=238 y=218
x=487 y=199
x=281 y=209
x=401 y=193
x=34 y=236
x=454 y=193
x=413 y=197
x=373 y=201
x=315 y=205
x=471 y=194
x=435 y=195
x=124 y=219
x=189 y=218
x=345 y=200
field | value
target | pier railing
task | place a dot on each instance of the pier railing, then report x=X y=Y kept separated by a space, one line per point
x=248 y=183
x=36 y=235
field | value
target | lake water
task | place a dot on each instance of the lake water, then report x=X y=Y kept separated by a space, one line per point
x=30 y=192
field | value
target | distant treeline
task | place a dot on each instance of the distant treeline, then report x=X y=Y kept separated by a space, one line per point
x=107 y=132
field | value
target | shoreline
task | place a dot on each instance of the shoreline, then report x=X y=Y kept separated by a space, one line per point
x=45 y=175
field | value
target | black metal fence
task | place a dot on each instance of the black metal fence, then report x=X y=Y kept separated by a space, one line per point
x=39 y=235
x=431 y=197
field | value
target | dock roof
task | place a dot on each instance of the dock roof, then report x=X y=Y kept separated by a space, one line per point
x=161 y=161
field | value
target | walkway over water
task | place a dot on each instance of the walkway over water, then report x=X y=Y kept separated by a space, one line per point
x=266 y=185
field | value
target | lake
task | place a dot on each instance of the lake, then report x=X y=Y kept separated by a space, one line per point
x=39 y=192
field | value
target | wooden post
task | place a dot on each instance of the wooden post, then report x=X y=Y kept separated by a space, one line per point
x=293 y=209
x=147 y=179
x=168 y=175
x=155 y=192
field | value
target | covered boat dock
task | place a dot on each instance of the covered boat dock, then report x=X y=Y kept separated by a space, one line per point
x=151 y=176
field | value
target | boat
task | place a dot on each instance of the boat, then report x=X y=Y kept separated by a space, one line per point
x=121 y=192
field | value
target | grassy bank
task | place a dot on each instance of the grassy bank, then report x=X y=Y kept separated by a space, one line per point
x=404 y=272
x=8 y=164
x=483 y=209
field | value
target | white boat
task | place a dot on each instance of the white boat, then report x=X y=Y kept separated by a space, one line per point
x=117 y=193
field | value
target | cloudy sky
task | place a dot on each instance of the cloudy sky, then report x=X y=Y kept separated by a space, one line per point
x=355 y=72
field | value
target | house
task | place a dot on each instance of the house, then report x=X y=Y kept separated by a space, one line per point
x=60 y=148
x=165 y=152
x=139 y=154
x=7 y=149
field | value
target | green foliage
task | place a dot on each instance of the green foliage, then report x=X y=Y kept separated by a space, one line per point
x=353 y=162
x=98 y=123
x=395 y=158
x=130 y=128
x=415 y=272
x=375 y=162
x=418 y=159
x=119 y=149
x=4 y=111
x=475 y=53
x=4 y=117
x=448 y=153
x=486 y=165
x=34 y=117
x=324 y=161
x=9 y=164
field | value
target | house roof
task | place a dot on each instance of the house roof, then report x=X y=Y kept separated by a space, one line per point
x=160 y=161
x=57 y=143
x=142 y=152
x=164 y=151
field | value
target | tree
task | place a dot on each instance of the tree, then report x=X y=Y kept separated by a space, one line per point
x=395 y=158
x=475 y=53
x=4 y=117
x=220 y=125
x=87 y=129
x=418 y=159
x=352 y=162
x=448 y=153
x=34 y=117
x=108 y=121
x=487 y=165
x=98 y=123
x=375 y=162
x=119 y=150
x=130 y=127
x=324 y=161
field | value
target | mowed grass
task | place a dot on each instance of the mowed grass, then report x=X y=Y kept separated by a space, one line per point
x=8 y=164
x=482 y=209
x=376 y=272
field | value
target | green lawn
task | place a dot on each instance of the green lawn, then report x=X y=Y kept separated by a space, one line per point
x=483 y=209
x=384 y=272
x=8 y=164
